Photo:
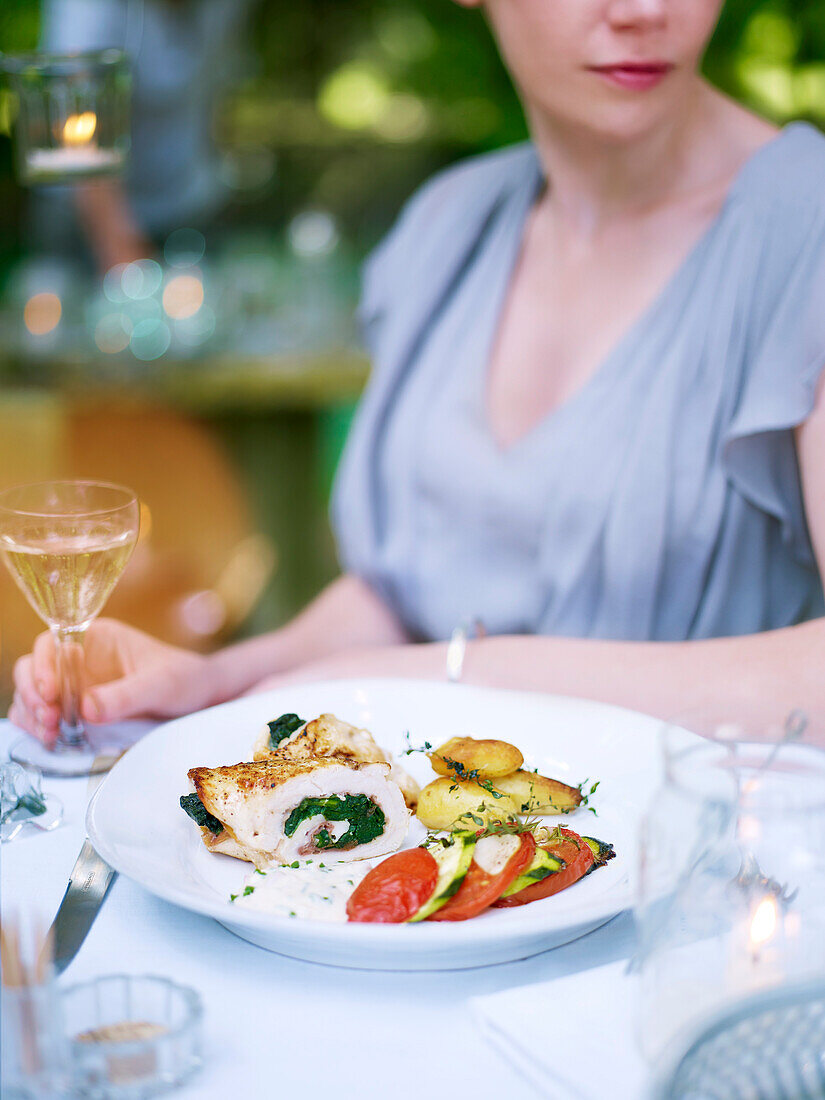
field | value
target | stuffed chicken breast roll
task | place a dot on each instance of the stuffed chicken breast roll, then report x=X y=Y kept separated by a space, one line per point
x=276 y=811
x=291 y=738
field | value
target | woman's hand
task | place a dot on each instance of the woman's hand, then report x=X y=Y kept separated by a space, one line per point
x=426 y=661
x=127 y=674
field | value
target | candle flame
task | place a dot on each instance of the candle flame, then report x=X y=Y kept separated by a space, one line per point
x=763 y=923
x=79 y=129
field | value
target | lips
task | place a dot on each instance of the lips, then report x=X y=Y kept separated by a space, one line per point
x=635 y=76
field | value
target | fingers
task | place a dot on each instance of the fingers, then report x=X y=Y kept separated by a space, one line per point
x=140 y=694
x=29 y=700
x=26 y=720
x=44 y=669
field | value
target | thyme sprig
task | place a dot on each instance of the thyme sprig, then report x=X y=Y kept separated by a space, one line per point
x=586 y=795
x=461 y=773
x=411 y=748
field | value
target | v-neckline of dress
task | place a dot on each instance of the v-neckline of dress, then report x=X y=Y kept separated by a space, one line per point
x=522 y=200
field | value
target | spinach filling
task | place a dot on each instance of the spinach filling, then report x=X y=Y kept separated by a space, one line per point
x=366 y=819
x=192 y=805
x=282 y=728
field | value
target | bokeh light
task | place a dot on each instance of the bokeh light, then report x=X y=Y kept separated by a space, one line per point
x=354 y=97
x=184 y=247
x=141 y=279
x=406 y=118
x=406 y=35
x=197 y=329
x=203 y=613
x=41 y=313
x=112 y=333
x=150 y=339
x=113 y=284
x=183 y=296
x=313 y=233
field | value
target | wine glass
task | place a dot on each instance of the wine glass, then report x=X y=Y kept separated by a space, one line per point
x=66 y=543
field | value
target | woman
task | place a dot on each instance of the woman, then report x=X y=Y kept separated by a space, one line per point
x=593 y=415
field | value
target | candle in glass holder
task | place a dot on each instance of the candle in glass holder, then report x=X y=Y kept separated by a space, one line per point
x=78 y=154
x=73 y=120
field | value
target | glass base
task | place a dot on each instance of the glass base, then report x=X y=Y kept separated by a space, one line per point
x=65 y=763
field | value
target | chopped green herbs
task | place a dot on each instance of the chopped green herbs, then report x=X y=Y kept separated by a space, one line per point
x=365 y=819
x=232 y=897
x=192 y=805
x=282 y=728
x=247 y=890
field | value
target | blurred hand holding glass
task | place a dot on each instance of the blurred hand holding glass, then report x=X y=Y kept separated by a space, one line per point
x=732 y=883
x=66 y=543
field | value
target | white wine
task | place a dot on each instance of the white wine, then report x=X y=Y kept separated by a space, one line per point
x=68 y=578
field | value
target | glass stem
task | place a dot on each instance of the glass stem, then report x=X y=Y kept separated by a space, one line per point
x=69 y=646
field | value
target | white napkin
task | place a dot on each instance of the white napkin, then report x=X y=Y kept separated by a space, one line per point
x=572 y=1038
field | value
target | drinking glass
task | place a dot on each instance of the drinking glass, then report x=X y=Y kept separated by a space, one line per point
x=66 y=543
x=732 y=874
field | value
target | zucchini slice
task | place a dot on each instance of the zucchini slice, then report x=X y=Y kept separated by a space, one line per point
x=453 y=861
x=602 y=852
x=543 y=864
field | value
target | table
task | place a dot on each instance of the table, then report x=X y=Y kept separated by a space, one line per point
x=275 y=1027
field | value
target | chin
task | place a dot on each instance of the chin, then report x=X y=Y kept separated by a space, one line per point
x=615 y=117
x=621 y=123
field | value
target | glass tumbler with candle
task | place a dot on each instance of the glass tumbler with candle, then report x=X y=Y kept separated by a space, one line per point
x=732 y=873
x=66 y=544
x=72 y=114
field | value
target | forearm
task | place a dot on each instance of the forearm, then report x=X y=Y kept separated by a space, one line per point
x=346 y=615
x=741 y=677
x=113 y=234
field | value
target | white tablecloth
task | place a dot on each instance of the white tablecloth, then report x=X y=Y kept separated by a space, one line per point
x=275 y=1027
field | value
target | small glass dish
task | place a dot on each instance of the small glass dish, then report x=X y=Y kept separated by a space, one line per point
x=131 y=1037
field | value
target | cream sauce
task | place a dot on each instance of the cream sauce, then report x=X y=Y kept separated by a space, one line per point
x=317 y=889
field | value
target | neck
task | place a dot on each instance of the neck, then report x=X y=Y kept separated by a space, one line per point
x=596 y=181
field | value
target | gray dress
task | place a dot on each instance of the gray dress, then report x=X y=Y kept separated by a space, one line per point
x=662 y=500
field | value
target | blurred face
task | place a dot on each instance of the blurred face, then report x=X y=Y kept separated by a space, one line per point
x=614 y=67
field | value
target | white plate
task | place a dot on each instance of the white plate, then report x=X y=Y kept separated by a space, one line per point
x=136 y=823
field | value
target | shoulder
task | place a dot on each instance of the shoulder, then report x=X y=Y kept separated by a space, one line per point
x=477 y=181
x=789 y=170
x=448 y=211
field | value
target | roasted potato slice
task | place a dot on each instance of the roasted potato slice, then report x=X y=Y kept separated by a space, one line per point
x=536 y=794
x=445 y=804
x=487 y=759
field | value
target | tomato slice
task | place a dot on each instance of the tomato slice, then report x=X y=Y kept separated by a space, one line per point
x=396 y=889
x=578 y=856
x=480 y=888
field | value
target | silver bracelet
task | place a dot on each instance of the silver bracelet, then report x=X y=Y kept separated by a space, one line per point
x=457 y=647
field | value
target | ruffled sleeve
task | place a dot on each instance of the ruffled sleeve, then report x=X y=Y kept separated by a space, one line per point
x=779 y=383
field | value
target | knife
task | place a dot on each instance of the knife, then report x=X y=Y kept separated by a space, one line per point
x=89 y=882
